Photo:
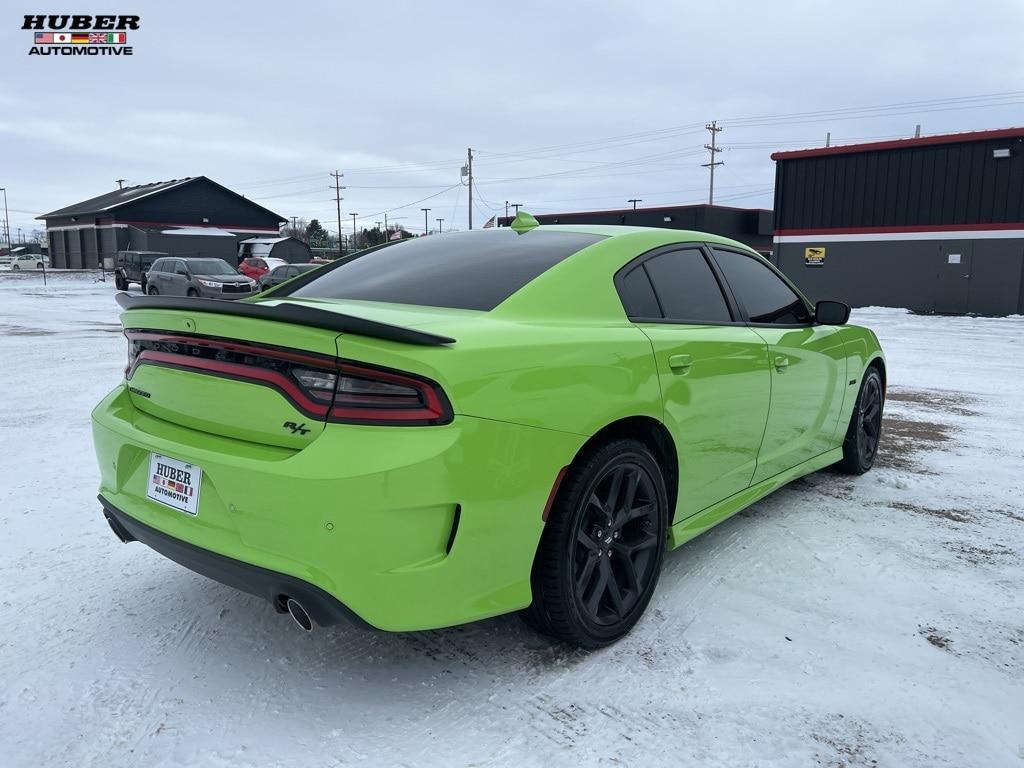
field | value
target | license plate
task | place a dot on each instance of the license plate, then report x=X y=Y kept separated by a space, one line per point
x=174 y=483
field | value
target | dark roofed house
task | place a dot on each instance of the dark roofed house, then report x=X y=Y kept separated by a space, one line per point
x=190 y=216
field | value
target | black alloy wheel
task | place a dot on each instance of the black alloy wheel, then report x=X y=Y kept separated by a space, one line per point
x=616 y=544
x=601 y=550
x=865 y=431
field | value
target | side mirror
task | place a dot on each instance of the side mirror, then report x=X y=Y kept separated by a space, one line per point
x=831 y=312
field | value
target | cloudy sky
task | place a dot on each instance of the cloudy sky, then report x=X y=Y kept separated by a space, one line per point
x=568 y=105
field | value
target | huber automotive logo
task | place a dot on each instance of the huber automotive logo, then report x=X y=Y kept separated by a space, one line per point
x=73 y=35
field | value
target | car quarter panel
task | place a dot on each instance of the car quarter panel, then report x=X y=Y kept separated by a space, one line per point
x=559 y=376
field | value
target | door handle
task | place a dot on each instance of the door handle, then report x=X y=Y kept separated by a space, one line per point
x=680 y=364
x=781 y=363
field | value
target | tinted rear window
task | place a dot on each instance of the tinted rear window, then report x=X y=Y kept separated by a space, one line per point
x=466 y=270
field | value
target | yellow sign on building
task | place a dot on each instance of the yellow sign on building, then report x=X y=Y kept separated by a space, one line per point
x=814 y=257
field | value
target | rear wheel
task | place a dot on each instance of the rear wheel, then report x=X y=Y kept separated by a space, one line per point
x=861 y=444
x=192 y=292
x=152 y=291
x=15 y=268
x=120 y=283
x=600 y=554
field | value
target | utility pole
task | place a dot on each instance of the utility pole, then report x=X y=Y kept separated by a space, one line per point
x=295 y=227
x=7 y=222
x=517 y=206
x=469 y=170
x=426 y=226
x=337 y=200
x=634 y=201
x=440 y=228
x=120 y=183
x=506 y=209
x=353 y=215
x=714 y=149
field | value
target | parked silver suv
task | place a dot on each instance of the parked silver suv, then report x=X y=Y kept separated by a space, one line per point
x=209 y=278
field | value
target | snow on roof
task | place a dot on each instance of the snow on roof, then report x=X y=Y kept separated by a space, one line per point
x=213 y=231
x=265 y=240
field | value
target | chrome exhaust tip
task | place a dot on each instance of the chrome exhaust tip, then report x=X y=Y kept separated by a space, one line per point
x=299 y=615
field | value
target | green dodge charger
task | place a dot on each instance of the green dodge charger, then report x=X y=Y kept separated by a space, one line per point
x=458 y=426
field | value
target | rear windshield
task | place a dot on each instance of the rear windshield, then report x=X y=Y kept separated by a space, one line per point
x=465 y=270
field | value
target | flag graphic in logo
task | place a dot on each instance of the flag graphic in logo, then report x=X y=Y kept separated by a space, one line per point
x=106 y=38
x=44 y=37
x=82 y=39
x=62 y=38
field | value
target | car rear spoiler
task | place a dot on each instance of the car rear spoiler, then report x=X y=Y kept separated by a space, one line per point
x=294 y=314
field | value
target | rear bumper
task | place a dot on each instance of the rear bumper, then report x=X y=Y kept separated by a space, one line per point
x=275 y=587
x=408 y=527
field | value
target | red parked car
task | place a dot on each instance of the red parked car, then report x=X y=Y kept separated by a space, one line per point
x=257 y=266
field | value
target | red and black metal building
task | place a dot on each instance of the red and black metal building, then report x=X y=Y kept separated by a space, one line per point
x=935 y=223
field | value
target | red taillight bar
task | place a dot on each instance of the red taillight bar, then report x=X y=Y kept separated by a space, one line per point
x=347 y=408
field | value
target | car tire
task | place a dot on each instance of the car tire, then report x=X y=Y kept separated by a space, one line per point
x=152 y=291
x=142 y=284
x=601 y=550
x=15 y=268
x=120 y=283
x=39 y=265
x=865 y=430
x=192 y=292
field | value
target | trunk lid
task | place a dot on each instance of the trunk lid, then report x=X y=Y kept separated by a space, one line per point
x=228 y=375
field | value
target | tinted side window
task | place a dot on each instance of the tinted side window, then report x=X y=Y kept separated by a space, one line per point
x=637 y=294
x=765 y=296
x=686 y=287
x=465 y=270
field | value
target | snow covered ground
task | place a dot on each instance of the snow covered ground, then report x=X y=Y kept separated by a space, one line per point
x=839 y=622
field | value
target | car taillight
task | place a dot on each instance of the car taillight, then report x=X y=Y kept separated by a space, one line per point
x=133 y=354
x=373 y=396
x=319 y=386
x=366 y=395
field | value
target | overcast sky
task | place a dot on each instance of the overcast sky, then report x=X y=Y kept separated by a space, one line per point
x=569 y=105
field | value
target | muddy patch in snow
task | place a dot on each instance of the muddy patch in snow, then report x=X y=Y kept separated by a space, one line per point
x=938 y=400
x=22 y=330
x=903 y=438
x=952 y=515
x=848 y=742
x=972 y=555
x=936 y=638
